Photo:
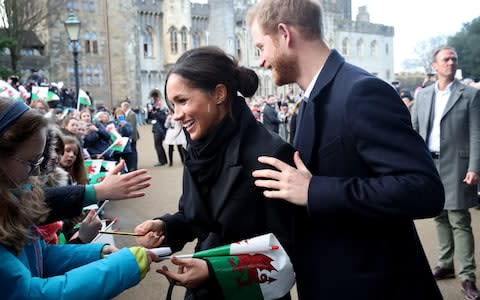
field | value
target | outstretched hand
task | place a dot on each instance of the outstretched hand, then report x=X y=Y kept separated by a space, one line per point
x=284 y=182
x=191 y=272
x=151 y=233
x=116 y=186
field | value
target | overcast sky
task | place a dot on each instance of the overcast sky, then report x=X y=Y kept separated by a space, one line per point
x=416 y=20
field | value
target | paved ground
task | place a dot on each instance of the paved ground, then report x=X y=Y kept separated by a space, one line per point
x=162 y=198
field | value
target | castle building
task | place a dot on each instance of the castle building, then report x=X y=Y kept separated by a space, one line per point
x=127 y=47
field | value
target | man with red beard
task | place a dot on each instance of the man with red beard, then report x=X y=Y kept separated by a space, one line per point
x=362 y=173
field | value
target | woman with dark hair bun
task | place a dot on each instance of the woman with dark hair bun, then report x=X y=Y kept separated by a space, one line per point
x=220 y=203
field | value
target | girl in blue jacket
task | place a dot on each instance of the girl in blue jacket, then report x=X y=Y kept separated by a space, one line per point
x=29 y=268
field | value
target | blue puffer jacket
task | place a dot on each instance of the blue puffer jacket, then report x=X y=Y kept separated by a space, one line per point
x=70 y=271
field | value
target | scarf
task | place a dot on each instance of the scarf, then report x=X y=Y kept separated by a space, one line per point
x=205 y=157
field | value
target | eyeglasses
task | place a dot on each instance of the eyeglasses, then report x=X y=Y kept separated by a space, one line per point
x=32 y=165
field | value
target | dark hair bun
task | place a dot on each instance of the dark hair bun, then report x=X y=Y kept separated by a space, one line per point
x=247 y=81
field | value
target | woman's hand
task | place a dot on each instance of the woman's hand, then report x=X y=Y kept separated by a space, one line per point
x=108 y=249
x=191 y=273
x=152 y=233
x=116 y=186
x=89 y=227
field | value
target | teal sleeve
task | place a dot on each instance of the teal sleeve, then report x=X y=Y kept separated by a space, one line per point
x=90 y=197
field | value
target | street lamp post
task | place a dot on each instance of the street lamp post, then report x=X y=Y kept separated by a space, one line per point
x=72 y=26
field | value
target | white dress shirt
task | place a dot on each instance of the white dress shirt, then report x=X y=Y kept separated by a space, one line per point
x=441 y=99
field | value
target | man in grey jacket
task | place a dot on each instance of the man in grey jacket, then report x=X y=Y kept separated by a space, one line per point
x=447 y=116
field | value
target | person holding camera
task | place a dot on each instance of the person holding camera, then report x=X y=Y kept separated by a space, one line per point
x=159 y=116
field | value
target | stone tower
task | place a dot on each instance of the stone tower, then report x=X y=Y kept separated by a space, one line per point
x=221 y=26
x=108 y=60
x=177 y=23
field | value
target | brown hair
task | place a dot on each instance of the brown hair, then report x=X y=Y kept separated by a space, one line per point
x=18 y=213
x=77 y=171
x=67 y=120
x=43 y=103
x=305 y=15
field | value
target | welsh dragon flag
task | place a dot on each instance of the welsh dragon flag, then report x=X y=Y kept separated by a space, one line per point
x=7 y=91
x=120 y=143
x=257 y=268
x=97 y=169
x=51 y=96
x=39 y=93
x=83 y=98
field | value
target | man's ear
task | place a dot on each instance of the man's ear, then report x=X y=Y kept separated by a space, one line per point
x=284 y=32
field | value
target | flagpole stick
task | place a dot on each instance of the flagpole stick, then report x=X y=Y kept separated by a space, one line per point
x=100 y=208
x=106 y=229
x=120 y=233
x=177 y=256
x=108 y=148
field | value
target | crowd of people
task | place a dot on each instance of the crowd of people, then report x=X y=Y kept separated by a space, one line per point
x=320 y=171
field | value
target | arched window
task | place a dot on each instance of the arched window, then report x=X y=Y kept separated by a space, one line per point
x=96 y=76
x=80 y=74
x=387 y=49
x=94 y=43
x=373 y=48
x=88 y=73
x=71 y=76
x=148 y=42
x=360 y=48
x=260 y=85
x=86 y=38
x=266 y=85
x=183 y=39
x=346 y=47
x=173 y=40
x=196 y=40
x=238 y=46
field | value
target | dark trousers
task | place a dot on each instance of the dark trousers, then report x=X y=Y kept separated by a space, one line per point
x=128 y=158
x=170 y=153
x=132 y=160
x=158 y=140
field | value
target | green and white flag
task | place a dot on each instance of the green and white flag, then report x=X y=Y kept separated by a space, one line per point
x=97 y=169
x=83 y=98
x=7 y=91
x=93 y=166
x=39 y=93
x=257 y=268
x=108 y=165
x=51 y=96
x=120 y=144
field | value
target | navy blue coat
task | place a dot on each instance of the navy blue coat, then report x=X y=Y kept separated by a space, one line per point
x=372 y=176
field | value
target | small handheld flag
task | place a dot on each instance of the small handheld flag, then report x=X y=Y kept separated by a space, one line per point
x=256 y=268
